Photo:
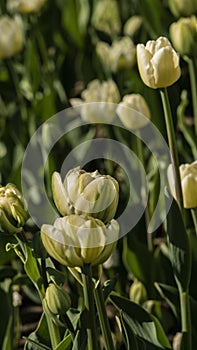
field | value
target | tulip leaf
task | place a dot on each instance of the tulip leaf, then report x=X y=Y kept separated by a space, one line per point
x=142 y=324
x=170 y=295
x=31 y=268
x=65 y=344
x=178 y=246
x=80 y=341
x=40 y=339
x=142 y=268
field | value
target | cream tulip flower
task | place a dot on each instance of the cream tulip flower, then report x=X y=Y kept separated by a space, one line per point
x=12 y=36
x=158 y=63
x=188 y=174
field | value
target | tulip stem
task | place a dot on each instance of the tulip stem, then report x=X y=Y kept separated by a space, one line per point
x=101 y=308
x=194 y=217
x=172 y=146
x=185 y=319
x=90 y=308
x=192 y=75
x=53 y=331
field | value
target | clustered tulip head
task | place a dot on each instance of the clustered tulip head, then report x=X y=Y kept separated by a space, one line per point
x=13 y=209
x=188 y=174
x=87 y=233
x=158 y=63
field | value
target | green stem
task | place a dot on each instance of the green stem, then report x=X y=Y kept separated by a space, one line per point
x=194 y=217
x=53 y=331
x=192 y=75
x=140 y=154
x=185 y=319
x=14 y=78
x=172 y=146
x=90 y=308
x=105 y=328
x=44 y=275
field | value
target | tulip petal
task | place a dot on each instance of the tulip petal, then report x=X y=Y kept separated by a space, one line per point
x=59 y=194
x=145 y=66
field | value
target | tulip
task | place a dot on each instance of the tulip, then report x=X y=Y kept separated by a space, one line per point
x=158 y=63
x=183 y=7
x=106 y=93
x=25 y=6
x=133 y=25
x=12 y=36
x=56 y=301
x=188 y=174
x=126 y=111
x=120 y=55
x=183 y=34
x=13 y=210
x=86 y=193
x=106 y=17
x=75 y=240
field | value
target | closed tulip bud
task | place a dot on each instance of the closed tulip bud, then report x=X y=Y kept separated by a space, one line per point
x=126 y=111
x=158 y=63
x=13 y=210
x=183 y=34
x=188 y=174
x=56 y=301
x=12 y=36
x=75 y=240
x=133 y=25
x=106 y=17
x=86 y=193
x=25 y=6
x=137 y=292
x=183 y=7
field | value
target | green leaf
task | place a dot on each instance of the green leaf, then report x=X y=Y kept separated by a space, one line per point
x=5 y=319
x=80 y=341
x=40 y=337
x=139 y=261
x=65 y=344
x=31 y=268
x=171 y=296
x=178 y=246
x=141 y=323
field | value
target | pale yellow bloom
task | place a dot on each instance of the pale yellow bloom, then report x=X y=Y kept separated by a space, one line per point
x=106 y=17
x=183 y=34
x=126 y=111
x=120 y=55
x=133 y=25
x=158 y=63
x=106 y=93
x=183 y=7
x=13 y=209
x=11 y=37
x=74 y=240
x=188 y=174
x=25 y=6
x=86 y=193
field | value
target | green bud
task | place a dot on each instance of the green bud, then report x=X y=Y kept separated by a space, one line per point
x=56 y=301
x=183 y=7
x=90 y=194
x=75 y=240
x=183 y=34
x=13 y=209
x=137 y=292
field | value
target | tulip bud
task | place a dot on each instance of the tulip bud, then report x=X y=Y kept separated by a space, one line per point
x=106 y=17
x=86 y=193
x=25 y=6
x=126 y=111
x=56 y=301
x=183 y=7
x=188 y=174
x=133 y=25
x=74 y=240
x=106 y=93
x=158 y=63
x=121 y=54
x=137 y=292
x=12 y=37
x=13 y=210
x=183 y=34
